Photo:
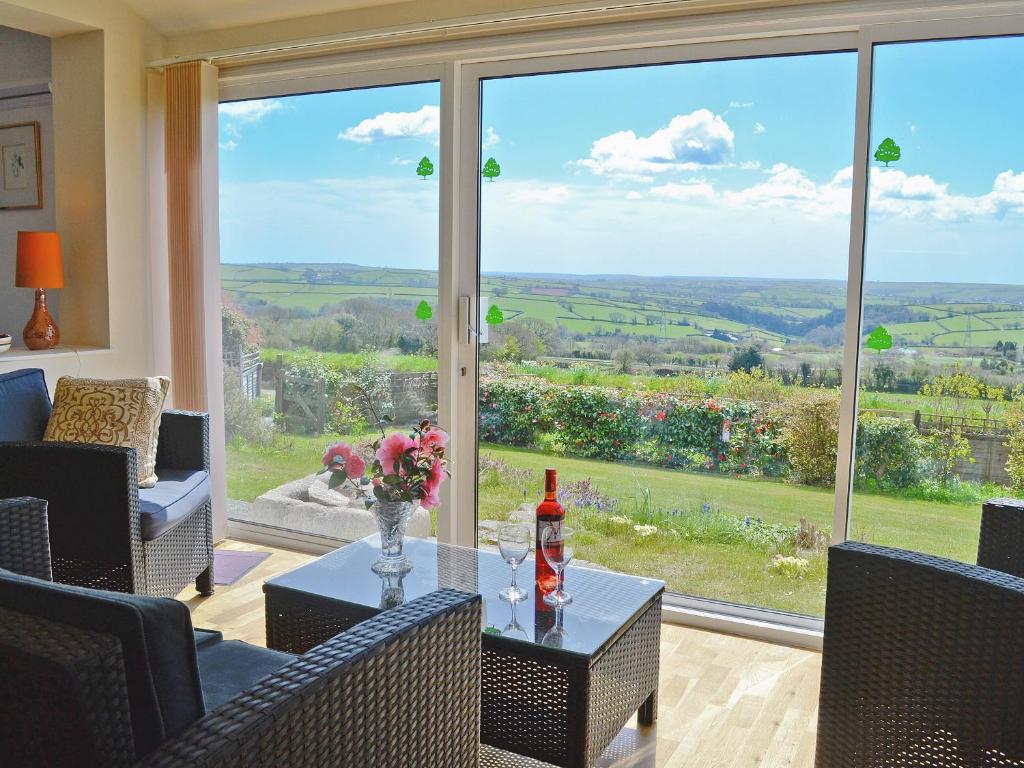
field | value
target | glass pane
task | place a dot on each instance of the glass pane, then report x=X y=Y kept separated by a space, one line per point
x=663 y=263
x=943 y=315
x=329 y=251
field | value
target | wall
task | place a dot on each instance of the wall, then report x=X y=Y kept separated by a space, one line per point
x=100 y=51
x=25 y=58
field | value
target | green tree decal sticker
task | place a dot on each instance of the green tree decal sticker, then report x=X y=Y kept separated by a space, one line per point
x=423 y=311
x=425 y=168
x=879 y=339
x=888 y=152
x=494 y=316
x=491 y=169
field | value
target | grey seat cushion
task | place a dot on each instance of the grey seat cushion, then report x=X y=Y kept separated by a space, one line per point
x=161 y=667
x=229 y=667
x=177 y=493
x=206 y=637
x=24 y=406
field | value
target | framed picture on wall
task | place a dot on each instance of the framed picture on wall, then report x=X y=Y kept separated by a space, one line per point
x=21 y=180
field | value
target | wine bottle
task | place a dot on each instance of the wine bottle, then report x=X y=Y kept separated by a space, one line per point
x=549 y=513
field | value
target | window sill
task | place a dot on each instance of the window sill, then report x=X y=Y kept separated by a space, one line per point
x=19 y=355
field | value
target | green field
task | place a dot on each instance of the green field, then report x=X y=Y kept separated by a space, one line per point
x=723 y=571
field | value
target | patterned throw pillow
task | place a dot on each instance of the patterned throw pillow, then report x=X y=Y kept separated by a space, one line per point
x=124 y=412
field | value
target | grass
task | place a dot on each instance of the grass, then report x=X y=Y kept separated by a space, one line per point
x=696 y=549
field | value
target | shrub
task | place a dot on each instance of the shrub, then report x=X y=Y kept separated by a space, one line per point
x=942 y=451
x=889 y=450
x=1015 y=442
x=810 y=435
x=789 y=567
x=513 y=411
x=244 y=418
x=597 y=423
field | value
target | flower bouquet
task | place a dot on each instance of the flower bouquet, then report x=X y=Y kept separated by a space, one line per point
x=406 y=471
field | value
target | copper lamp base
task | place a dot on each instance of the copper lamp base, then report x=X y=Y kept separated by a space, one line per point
x=41 y=332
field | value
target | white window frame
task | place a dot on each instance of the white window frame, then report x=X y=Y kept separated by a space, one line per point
x=460 y=67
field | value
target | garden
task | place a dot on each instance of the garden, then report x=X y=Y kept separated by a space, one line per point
x=725 y=496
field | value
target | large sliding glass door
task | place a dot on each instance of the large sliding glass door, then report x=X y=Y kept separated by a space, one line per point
x=663 y=260
x=939 y=425
x=329 y=249
x=748 y=297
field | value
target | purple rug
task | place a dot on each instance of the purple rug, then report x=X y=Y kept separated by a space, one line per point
x=229 y=566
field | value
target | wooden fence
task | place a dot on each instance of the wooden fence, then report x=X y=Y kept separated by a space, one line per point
x=305 y=405
x=247 y=367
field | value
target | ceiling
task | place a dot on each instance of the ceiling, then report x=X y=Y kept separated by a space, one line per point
x=187 y=16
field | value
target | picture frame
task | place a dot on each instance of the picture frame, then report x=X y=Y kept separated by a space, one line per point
x=21 y=177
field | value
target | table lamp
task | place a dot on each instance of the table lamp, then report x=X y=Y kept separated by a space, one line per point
x=39 y=267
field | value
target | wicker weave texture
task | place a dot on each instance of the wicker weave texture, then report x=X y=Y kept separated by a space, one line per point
x=397 y=691
x=93 y=508
x=1001 y=543
x=561 y=708
x=63 y=695
x=923 y=663
x=24 y=537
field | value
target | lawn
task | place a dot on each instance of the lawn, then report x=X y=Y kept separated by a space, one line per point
x=701 y=545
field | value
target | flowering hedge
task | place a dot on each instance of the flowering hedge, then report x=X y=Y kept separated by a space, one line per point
x=602 y=423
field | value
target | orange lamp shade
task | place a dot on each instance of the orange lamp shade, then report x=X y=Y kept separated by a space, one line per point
x=39 y=264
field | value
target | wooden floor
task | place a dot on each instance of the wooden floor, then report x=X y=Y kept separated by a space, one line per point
x=725 y=701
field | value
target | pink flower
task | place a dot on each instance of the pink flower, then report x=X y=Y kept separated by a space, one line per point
x=335 y=451
x=355 y=467
x=432 y=486
x=391 y=450
x=435 y=437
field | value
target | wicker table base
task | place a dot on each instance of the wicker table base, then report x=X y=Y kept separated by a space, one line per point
x=557 y=696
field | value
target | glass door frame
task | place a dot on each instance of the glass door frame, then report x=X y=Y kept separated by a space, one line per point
x=461 y=66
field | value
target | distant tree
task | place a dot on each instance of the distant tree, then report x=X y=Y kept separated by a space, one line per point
x=649 y=354
x=746 y=359
x=999 y=346
x=616 y=317
x=425 y=168
x=511 y=350
x=624 y=357
x=884 y=377
x=888 y=152
x=491 y=169
x=1010 y=349
x=805 y=373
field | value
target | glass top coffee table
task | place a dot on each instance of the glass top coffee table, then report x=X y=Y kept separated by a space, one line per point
x=557 y=685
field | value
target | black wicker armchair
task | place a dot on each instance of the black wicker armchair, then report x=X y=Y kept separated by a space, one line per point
x=923 y=659
x=105 y=532
x=401 y=689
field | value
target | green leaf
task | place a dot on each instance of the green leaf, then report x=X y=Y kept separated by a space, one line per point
x=491 y=169
x=425 y=168
x=423 y=311
x=494 y=316
x=879 y=339
x=888 y=152
x=337 y=478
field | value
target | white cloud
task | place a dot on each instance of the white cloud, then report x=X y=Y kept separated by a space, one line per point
x=790 y=187
x=894 y=193
x=688 y=142
x=695 y=190
x=400 y=161
x=249 y=111
x=740 y=104
x=229 y=144
x=491 y=139
x=552 y=195
x=634 y=195
x=423 y=123
x=759 y=128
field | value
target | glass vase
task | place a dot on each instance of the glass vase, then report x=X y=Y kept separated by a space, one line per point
x=392 y=518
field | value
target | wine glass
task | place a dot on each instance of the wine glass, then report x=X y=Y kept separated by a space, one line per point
x=558 y=544
x=514 y=545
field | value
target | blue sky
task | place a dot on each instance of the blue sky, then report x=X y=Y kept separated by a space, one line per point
x=718 y=168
